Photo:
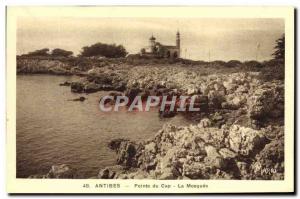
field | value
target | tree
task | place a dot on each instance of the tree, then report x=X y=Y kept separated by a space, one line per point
x=143 y=51
x=105 y=50
x=61 y=52
x=41 y=52
x=279 y=48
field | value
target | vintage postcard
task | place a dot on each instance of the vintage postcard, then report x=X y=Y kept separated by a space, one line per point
x=150 y=99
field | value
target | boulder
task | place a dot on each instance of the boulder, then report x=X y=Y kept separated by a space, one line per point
x=111 y=172
x=196 y=170
x=151 y=147
x=269 y=163
x=61 y=171
x=127 y=152
x=66 y=83
x=227 y=153
x=267 y=101
x=246 y=141
x=77 y=87
x=204 y=123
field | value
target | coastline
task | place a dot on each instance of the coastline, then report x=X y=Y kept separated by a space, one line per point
x=235 y=134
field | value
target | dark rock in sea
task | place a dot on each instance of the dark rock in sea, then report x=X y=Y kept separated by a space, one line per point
x=144 y=94
x=119 y=86
x=267 y=101
x=105 y=87
x=100 y=79
x=66 y=83
x=115 y=143
x=61 y=171
x=202 y=152
x=77 y=87
x=81 y=99
x=36 y=176
x=91 y=87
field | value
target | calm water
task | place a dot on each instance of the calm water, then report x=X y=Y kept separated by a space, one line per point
x=52 y=130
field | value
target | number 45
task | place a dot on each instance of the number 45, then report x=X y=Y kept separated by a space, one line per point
x=86 y=186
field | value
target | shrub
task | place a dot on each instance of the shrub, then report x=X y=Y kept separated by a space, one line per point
x=252 y=65
x=61 y=52
x=105 y=50
x=280 y=48
x=233 y=63
x=41 y=52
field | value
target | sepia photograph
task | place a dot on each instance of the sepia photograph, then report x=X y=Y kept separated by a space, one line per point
x=152 y=98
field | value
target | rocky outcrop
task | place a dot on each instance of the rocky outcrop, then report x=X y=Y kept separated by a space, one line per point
x=58 y=171
x=267 y=101
x=201 y=152
x=230 y=91
x=233 y=141
x=242 y=91
x=43 y=66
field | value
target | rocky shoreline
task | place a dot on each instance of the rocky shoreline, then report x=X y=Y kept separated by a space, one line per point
x=239 y=136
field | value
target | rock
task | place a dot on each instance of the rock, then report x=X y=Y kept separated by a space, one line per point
x=57 y=70
x=195 y=171
x=77 y=87
x=230 y=86
x=115 y=94
x=168 y=173
x=167 y=113
x=192 y=91
x=115 y=143
x=260 y=103
x=204 y=123
x=246 y=141
x=104 y=174
x=211 y=136
x=211 y=151
x=219 y=174
x=151 y=147
x=197 y=153
x=227 y=153
x=38 y=176
x=61 y=171
x=92 y=87
x=266 y=102
x=126 y=151
x=66 y=83
x=119 y=86
x=100 y=79
x=81 y=99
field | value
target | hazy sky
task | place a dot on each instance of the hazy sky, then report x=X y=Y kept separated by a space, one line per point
x=223 y=39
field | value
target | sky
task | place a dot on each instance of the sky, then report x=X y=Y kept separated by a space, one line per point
x=205 y=39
